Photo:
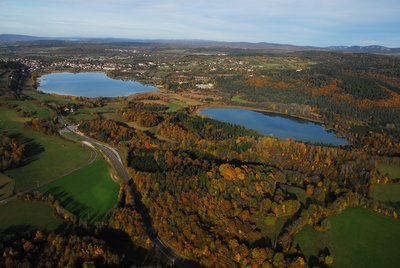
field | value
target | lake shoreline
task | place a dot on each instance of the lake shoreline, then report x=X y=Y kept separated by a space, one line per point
x=281 y=126
x=208 y=106
x=130 y=88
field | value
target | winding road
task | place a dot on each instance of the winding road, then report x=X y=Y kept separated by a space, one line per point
x=93 y=145
x=173 y=256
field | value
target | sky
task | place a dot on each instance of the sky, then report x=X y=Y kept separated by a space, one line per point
x=301 y=22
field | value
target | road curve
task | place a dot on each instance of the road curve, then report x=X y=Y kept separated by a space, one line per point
x=174 y=257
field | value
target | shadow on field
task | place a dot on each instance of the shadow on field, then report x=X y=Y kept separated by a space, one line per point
x=392 y=204
x=32 y=148
x=67 y=201
x=4 y=193
x=4 y=185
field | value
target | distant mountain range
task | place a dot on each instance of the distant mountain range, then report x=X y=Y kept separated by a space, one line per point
x=18 y=38
x=11 y=38
x=366 y=49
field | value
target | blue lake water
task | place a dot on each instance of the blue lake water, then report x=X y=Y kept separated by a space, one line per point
x=89 y=84
x=275 y=125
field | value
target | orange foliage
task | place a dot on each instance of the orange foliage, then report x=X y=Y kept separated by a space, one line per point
x=281 y=85
x=327 y=90
x=330 y=90
x=258 y=81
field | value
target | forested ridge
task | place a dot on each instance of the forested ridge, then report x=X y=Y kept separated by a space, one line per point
x=221 y=195
x=350 y=91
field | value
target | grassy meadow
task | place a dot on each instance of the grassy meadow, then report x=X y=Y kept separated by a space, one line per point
x=46 y=157
x=89 y=193
x=175 y=105
x=21 y=216
x=6 y=186
x=392 y=170
x=358 y=238
x=108 y=111
x=238 y=99
x=387 y=193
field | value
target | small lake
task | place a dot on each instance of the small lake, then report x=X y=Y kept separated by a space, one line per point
x=275 y=125
x=89 y=84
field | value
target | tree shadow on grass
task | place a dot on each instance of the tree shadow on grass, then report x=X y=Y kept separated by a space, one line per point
x=313 y=261
x=395 y=205
x=95 y=216
x=32 y=148
x=5 y=193
x=68 y=202
x=4 y=185
x=31 y=152
x=20 y=138
x=56 y=192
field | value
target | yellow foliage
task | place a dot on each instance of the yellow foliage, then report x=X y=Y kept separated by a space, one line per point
x=243 y=195
x=233 y=243
x=206 y=251
x=38 y=236
x=328 y=260
x=227 y=172
x=239 y=174
x=259 y=189
x=299 y=262
x=238 y=257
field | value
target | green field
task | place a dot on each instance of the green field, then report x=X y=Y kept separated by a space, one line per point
x=46 y=157
x=89 y=193
x=20 y=216
x=271 y=229
x=392 y=170
x=72 y=136
x=388 y=193
x=43 y=97
x=6 y=186
x=34 y=107
x=238 y=99
x=175 y=106
x=299 y=192
x=358 y=238
x=108 y=111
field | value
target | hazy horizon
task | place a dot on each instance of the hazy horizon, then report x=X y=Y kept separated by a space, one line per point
x=310 y=23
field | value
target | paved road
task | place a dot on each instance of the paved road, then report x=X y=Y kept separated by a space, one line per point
x=111 y=153
x=173 y=256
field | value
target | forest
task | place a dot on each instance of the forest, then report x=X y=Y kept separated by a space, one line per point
x=201 y=192
x=361 y=88
x=222 y=194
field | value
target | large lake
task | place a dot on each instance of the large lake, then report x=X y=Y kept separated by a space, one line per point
x=275 y=125
x=89 y=84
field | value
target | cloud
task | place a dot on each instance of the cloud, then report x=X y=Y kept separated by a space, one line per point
x=323 y=22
